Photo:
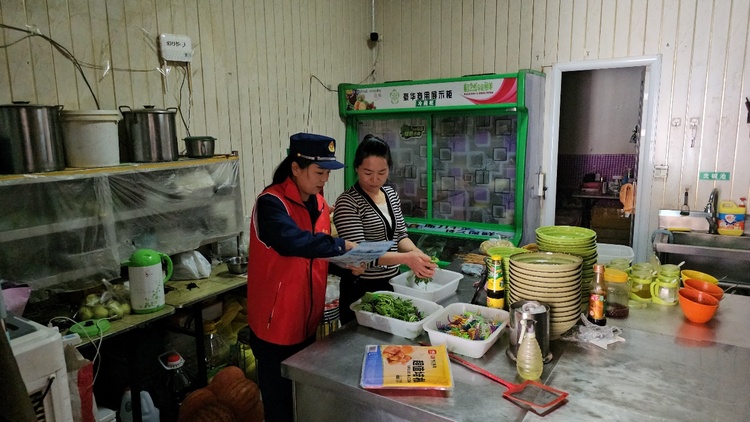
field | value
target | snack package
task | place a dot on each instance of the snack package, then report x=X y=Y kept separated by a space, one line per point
x=406 y=367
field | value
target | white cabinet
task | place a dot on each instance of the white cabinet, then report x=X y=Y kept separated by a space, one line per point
x=82 y=224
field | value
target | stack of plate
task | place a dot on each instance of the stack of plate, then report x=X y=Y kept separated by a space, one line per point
x=577 y=241
x=550 y=278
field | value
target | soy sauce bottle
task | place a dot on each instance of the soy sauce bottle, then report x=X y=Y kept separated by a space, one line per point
x=598 y=297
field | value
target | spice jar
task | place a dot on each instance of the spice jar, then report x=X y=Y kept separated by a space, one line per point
x=640 y=285
x=617 y=293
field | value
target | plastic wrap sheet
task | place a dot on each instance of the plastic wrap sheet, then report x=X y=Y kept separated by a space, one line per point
x=80 y=227
x=177 y=210
x=56 y=231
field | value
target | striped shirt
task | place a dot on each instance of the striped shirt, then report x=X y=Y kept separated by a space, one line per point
x=358 y=219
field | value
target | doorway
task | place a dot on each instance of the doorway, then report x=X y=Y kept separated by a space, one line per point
x=644 y=138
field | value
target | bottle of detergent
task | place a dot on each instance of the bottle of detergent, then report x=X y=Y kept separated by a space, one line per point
x=731 y=219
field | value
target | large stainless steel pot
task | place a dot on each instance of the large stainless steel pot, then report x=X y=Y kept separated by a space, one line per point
x=31 y=139
x=148 y=134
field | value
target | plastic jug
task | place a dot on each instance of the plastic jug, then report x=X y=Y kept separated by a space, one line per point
x=149 y=412
x=731 y=219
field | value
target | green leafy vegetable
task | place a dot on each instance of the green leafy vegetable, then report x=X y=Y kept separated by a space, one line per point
x=426 y=280
x=390 y=306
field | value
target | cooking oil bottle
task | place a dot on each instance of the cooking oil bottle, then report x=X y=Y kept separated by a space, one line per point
x=529 y=363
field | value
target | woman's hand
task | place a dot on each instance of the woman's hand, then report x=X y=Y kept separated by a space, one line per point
x=420 y=263
x=349 y=245
x=358 y=269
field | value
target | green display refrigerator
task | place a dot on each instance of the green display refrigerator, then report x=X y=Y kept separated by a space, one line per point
x=467 y=152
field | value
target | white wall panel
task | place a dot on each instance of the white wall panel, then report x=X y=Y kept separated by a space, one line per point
x=254 y=59
x=250 y=76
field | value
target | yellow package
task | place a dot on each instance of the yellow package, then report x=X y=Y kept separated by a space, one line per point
x=406 y=367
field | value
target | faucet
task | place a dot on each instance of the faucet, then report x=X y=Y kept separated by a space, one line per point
x=712 y=211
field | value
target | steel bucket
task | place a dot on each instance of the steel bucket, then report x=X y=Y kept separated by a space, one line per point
x=31 y=139
x=148 y=135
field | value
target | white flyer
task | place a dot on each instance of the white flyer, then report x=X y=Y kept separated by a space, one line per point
x=364 y=252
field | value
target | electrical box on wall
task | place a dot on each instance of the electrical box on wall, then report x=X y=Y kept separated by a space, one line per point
x=175 y=48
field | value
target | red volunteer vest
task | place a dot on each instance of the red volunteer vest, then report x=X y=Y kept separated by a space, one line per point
x=286 y=295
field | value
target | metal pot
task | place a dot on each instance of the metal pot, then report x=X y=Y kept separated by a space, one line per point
x=31 y=138
x=148 y=134
x=199 y=146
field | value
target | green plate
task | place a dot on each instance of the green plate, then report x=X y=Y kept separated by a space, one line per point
x=565 y=234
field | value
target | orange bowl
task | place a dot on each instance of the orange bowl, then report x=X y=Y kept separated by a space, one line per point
x=704 y=286
x=698 y=307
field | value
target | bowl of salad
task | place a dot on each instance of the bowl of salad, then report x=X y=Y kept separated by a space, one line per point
x=466 y=329
x=394 y=313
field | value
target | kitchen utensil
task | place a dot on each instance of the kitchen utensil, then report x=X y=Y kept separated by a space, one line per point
x=148 y=134
x=147 y=279
x=685 y=210
x=704 y=286
x=199 y=146
x=529 y=393
x=31 y=138
x=237 y=265
x=90 y=137
x=698 y=307
x=540 y=315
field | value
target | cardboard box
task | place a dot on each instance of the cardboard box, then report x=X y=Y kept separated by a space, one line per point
x=609 y=218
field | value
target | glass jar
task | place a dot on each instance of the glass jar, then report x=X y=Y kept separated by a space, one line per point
x=620 y=264
x=640 y=284
x=617 y=293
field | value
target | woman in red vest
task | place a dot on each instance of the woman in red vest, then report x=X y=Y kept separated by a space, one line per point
x=286 y=283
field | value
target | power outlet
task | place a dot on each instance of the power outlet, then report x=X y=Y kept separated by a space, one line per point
x=660 y=171
x=175 y=48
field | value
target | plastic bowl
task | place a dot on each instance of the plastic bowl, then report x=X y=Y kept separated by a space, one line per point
x=697 y=275
x=698 y=307
x=462 y=346
x=444 y=283
x=704 y=286
x=394 y=326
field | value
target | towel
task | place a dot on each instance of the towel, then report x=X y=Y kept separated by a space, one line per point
x=627 y=197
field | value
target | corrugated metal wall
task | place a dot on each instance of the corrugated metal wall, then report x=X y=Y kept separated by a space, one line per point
x=254 y=61
x=253 y=75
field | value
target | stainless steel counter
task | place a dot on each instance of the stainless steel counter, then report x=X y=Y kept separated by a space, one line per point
x=667 y=369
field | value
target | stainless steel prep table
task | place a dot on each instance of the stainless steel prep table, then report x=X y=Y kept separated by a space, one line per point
x=667 y=369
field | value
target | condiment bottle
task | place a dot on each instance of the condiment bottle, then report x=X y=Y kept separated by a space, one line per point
x=598 y=297
x=495 y=285
x=529 y=363
x=617 y=293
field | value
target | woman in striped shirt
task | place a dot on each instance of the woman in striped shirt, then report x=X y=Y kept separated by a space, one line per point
x=370 y=211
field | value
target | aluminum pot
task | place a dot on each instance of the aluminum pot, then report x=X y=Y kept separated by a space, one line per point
x=199 y=146
x=148 y=135
x=31 y=138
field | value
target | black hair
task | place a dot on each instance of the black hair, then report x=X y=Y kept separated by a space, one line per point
x=370 y=146
x=284 y=170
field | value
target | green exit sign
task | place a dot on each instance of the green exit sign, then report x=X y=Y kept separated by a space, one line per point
x=715 y=175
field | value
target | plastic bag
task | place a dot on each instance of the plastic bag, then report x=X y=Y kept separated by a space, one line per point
x=81 y=385
x=113 y=303
x=190 y=266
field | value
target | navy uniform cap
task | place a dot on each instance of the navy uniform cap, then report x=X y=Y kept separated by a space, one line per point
x=319 y=149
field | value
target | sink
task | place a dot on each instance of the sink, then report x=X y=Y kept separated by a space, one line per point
x=724 y=257
x=733 y=243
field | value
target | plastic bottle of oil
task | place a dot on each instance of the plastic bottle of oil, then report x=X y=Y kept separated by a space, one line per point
x=529 y=363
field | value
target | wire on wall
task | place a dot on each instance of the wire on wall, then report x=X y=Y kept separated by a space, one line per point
x=64 y=51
